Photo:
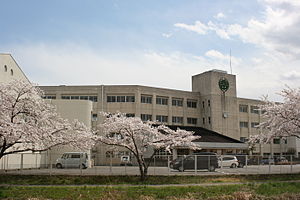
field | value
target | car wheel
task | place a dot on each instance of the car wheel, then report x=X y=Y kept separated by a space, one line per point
x=241 y=165
x=181 y=169
x=58 y=166
x=212 y=168
x=233 y=165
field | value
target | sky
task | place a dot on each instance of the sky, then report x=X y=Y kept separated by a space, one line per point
x=155 y=43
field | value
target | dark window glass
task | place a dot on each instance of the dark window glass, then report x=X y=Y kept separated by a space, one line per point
x=146 y=99
x=243 y=108
x=191 y=120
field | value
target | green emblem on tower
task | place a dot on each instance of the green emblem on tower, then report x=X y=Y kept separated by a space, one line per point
x=223 y=84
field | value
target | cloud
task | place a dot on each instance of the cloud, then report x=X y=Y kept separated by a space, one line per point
x=214 y=54
x=77 y=64
x=203 y=29
x=220 y=15
x=167 y=35
x=278 y=31
x=292 y=75
x=198 y=27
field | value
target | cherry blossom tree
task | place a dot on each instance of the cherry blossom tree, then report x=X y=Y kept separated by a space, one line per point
x=29 y=123
x=142 y=138
x=280 y=119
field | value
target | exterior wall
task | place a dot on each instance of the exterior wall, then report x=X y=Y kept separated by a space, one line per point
x=9 y=69
x=223 y=105
x=70 y=110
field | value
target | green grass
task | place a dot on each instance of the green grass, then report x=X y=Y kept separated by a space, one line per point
x=134 y=180
x=260 y=191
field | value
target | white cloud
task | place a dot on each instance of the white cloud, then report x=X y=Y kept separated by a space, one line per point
x=198 y=27
x=225 y=58
x=278 y=31
x=76 y=64
x=167 y=35
x=291 y=75
x=220 y=15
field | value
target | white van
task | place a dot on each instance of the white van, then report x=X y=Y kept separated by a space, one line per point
x=73 y=160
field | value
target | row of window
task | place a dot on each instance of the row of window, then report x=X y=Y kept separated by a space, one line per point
x=75 y=97
x=246 y=124
x=129 y=98
x=164 y=101
x=253 y=109
x=275 y=140
x=120 y=98
x=11 y=70
x=162 y=118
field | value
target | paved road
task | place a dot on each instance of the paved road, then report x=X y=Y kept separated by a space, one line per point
x=133 y=170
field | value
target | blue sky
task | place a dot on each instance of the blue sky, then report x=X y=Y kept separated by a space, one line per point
x=155 y=43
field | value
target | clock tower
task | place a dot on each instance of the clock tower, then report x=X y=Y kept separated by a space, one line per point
x=218 y=107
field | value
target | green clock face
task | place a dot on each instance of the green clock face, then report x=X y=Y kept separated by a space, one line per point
x=223 y=84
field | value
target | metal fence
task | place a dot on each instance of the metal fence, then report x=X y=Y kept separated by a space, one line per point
x=160 y=165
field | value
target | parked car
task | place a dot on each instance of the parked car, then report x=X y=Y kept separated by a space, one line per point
x=125 y=160
x=228 y=161
x=241 y=159
x=281 y=161
x=267 y=161
x=72 y=160
x=205 y=160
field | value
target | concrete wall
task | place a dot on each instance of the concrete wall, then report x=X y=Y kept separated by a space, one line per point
x=9 y=69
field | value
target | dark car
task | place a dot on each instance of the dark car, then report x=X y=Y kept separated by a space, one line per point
x=267 y=161
x=205 y=160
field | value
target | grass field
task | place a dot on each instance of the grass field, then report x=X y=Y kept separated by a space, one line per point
x=31 y=187
x=135 y=180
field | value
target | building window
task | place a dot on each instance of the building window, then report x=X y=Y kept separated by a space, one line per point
x=77 y=97
x=177 y=102
x=203 y=120
x=191 y=103
x=130 y=99
x=243 y=108
x=146 y=117
x=83 y=97
x=130 y=115
x=192 y=120
x=243 y=139
x=49 y=97
x=146 y=99
x=209 y=120
x=162 y=118
x=120 y=99
x=11 y=72
x=162 y=100
x=65 y=97
x=177 y=120
x=208 y=103
x=243 y=124
x=276 y=141
x=93 y=98
x=5 y=68
x=203 y=104
x=254 y=124
x=254 y=109
x=94 y=117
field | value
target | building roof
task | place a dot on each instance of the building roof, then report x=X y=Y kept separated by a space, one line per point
x=207 y=135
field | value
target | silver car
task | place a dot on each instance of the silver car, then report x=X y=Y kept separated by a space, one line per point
x=72 y=160
x=228 y=161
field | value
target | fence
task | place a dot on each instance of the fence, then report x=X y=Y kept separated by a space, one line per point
x=159 y=165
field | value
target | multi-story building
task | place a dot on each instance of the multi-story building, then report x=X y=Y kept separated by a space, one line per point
x=212 y=104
